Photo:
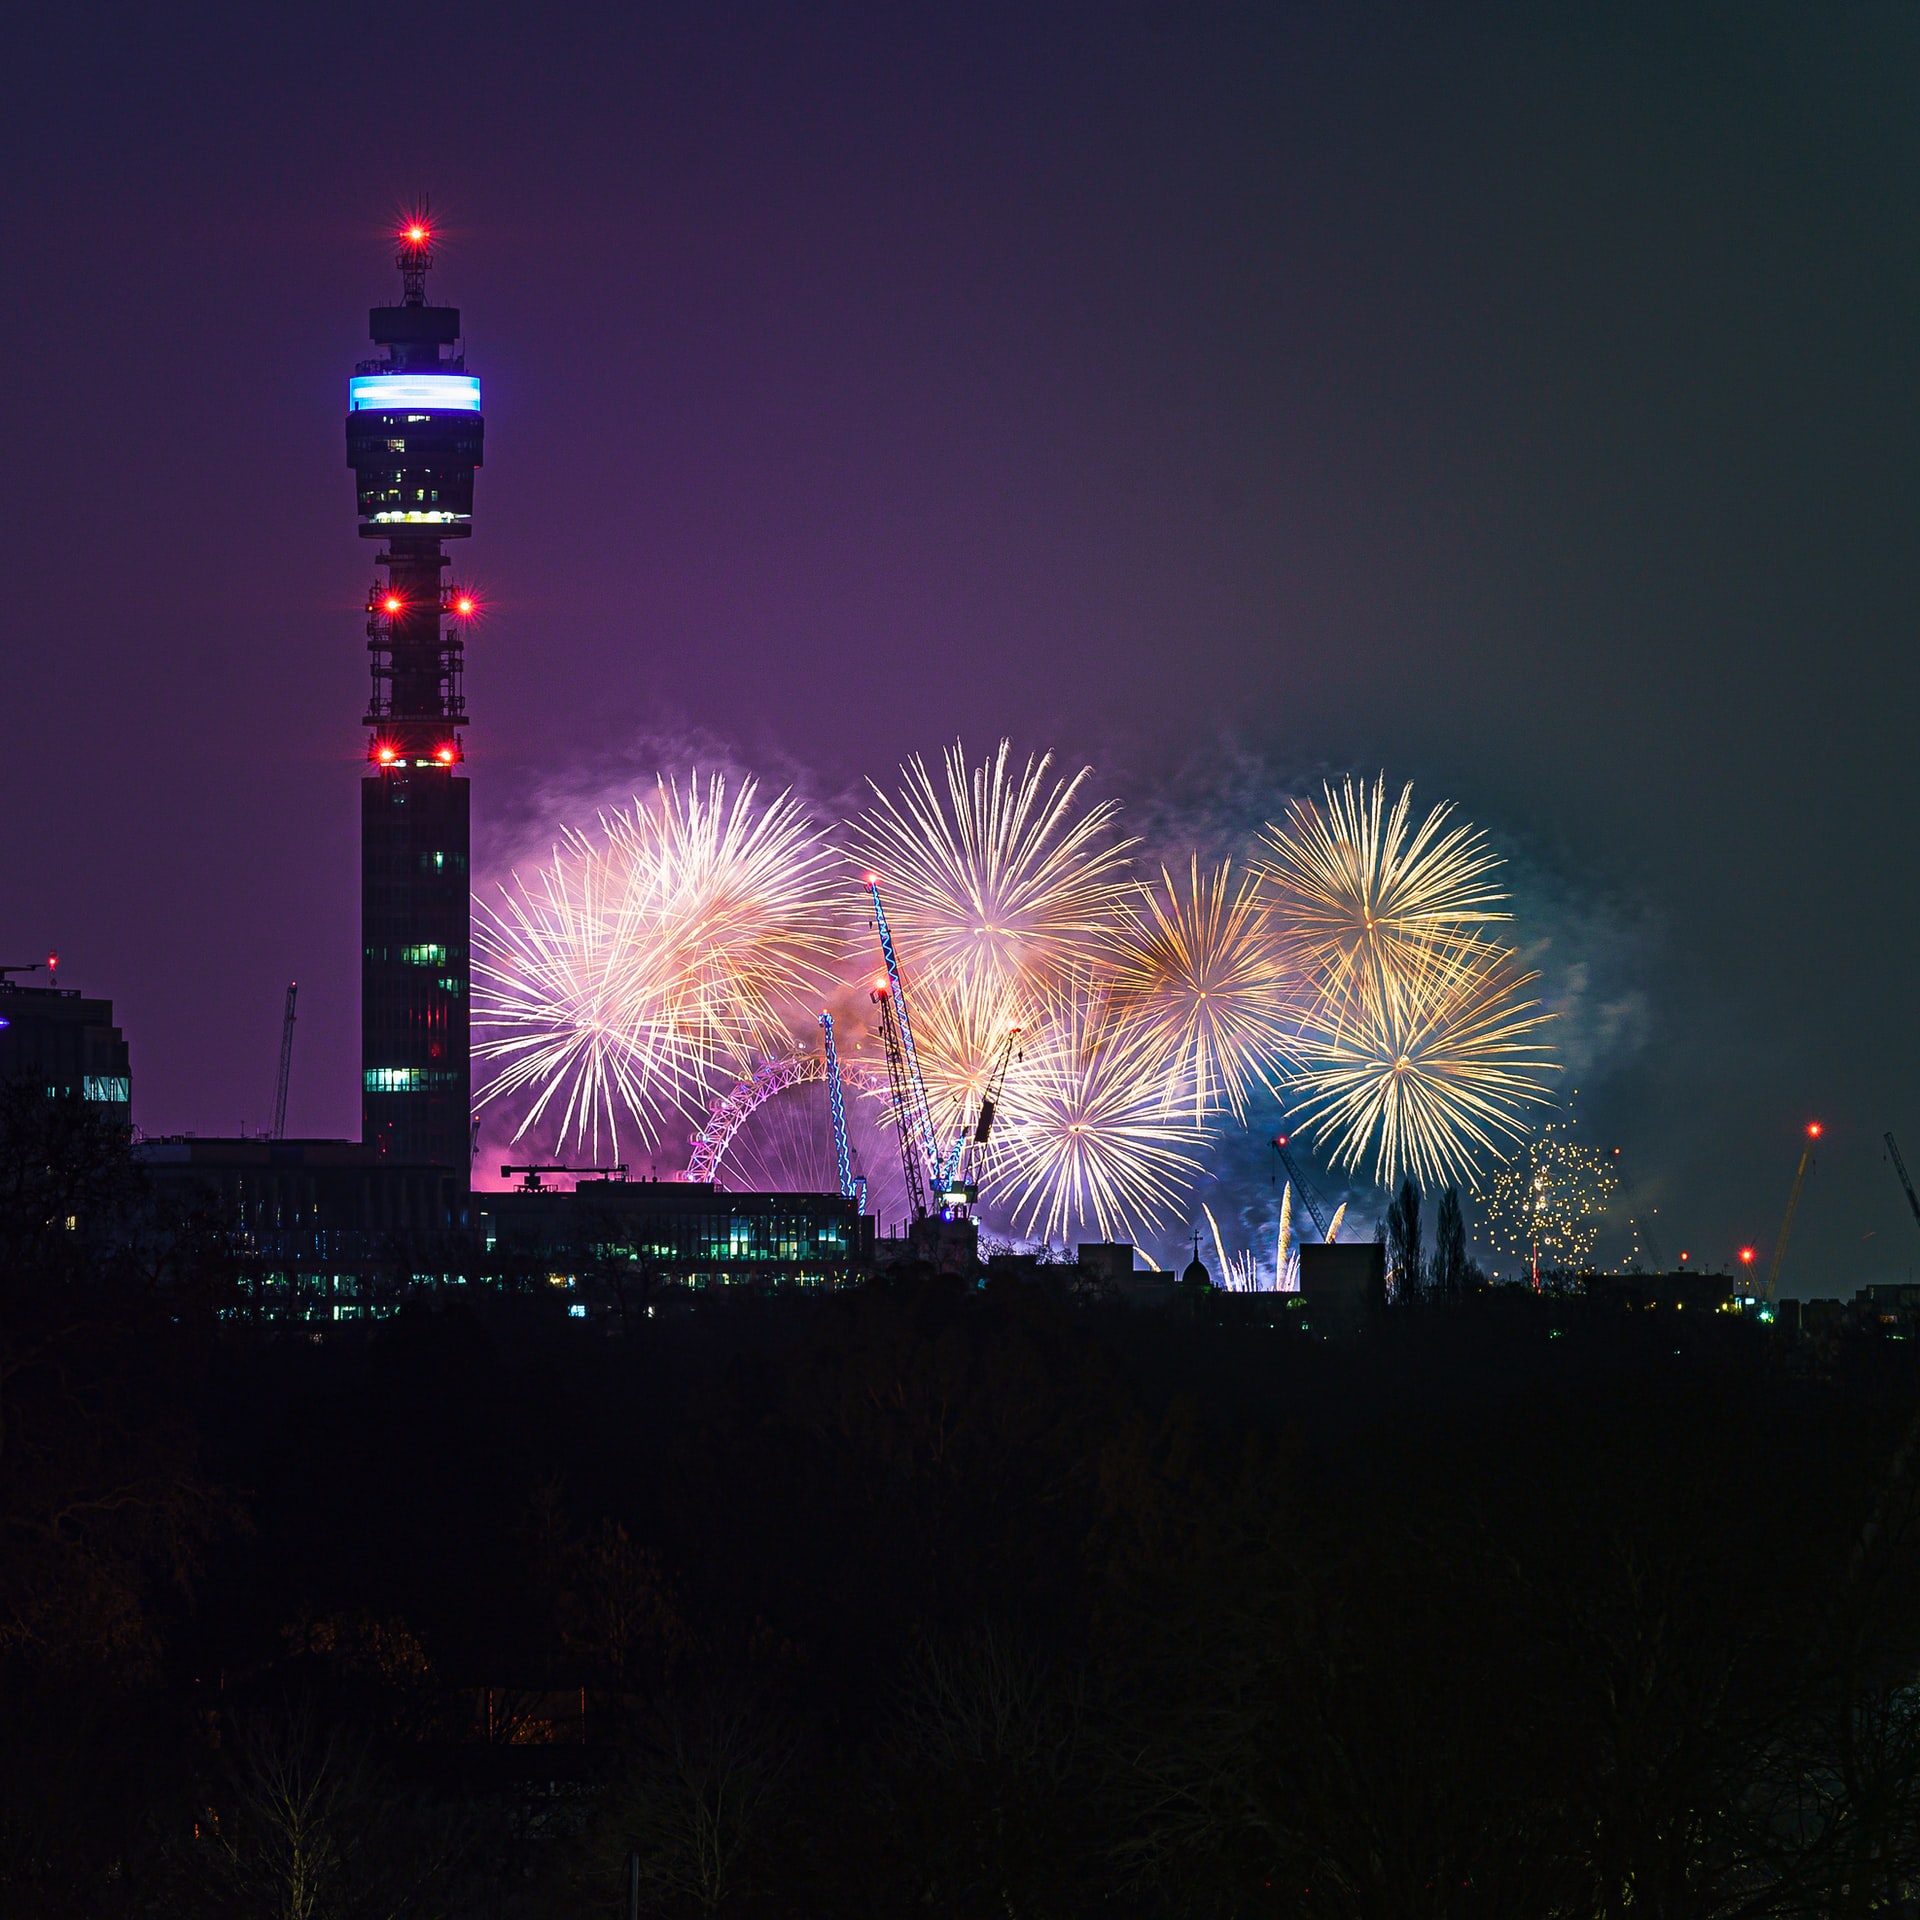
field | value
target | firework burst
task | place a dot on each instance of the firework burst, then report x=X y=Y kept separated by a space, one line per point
x=996 y=881
x=1084 y=1137
x=1545 y=1205
x=1371 y=902
x=1429 y=1073
x=1199 y=961
x=639 y=965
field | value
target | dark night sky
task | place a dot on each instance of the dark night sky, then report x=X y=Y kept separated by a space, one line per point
x=1520 y=400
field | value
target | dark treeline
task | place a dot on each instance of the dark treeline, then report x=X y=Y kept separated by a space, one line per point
x=916 y=1598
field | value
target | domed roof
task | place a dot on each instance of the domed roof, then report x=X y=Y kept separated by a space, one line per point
x=1195 y=1274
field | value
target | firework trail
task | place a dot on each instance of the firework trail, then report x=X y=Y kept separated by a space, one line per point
x=1333 y=1227
x=1236 y=1270
x=1084 y=1138
x=1428 y=1075
x=640 y=965
x=1286 y=1256
x=1199 y=961
x=996 y=882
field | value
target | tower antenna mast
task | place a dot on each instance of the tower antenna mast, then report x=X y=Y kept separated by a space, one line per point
x=415 y=255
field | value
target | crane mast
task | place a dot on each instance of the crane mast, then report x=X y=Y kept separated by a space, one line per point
x=286 y=1065
x=912 y=1165
x=996 y=1083
x=917 y=1113
x=1280 y=1146
x=1793 y=1202
x=1900 y=1167
x=842 y=1159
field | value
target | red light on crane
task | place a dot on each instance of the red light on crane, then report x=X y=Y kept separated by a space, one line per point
x=1746 y=1256
x=1814 y=1129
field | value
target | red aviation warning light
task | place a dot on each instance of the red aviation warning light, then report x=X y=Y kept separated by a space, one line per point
x=1746 y=1256
x=416 y=234
x=385 y=752
x=1814 y=1129
x=445 y=753
x=465 y=606
x=392 y=603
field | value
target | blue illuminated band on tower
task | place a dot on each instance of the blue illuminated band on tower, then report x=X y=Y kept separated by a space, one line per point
x=414 y=441
x=427 y=392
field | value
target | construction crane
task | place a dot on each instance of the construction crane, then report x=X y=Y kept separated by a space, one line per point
x=853 y=1186
x=996 y=1083
x=286 y=1065
x=1900 y=1167
x=1814 y=1130
x=1280 y=1146
x=941 y=1162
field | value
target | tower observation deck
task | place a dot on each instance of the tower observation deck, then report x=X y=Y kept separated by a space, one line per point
x=413 y=442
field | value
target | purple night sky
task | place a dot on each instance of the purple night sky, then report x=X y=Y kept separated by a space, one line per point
x=1520 y=400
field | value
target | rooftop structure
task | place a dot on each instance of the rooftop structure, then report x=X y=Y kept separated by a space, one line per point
x=62 y=1040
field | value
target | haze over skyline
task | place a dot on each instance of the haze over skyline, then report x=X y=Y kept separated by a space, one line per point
x=1523 y=406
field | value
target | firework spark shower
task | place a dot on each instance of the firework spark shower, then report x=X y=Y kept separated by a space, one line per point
x=1352 y=971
